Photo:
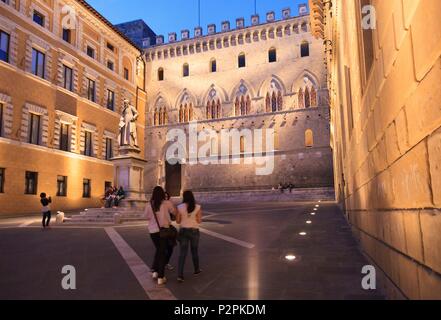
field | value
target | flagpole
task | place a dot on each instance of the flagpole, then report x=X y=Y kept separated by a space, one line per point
x=199 y=13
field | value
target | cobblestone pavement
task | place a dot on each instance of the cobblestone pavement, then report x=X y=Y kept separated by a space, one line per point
x=243 y=251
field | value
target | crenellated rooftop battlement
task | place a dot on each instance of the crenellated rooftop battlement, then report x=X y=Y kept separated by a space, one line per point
x=303 y=18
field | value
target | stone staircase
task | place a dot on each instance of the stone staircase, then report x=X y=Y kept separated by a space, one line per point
x=297 y=194
x=107 y=216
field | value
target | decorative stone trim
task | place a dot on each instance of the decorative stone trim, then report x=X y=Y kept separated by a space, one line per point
x=92 y=129
x=67 y=60
x=110 y=85
x=44 y=130
x=34 y=42
x=8 y=2
x=42 y=11
x=8 y=109
x=240 y=36
x=62 y=117
x=92 y=75
x=10 y=28
x=109 y=135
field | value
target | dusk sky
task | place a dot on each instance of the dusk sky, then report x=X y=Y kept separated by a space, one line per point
x=174 y=15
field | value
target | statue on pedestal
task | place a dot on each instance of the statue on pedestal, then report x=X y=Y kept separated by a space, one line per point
x=127 y=126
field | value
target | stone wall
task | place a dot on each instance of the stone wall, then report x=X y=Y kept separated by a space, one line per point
x=388 y=169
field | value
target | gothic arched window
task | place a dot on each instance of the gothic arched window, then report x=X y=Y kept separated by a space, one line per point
x=155 y=118
x=242 y=106
x=301 y=99
x=314 y=97
x=181 y=114
x=237 y=107
x=190 y=112
x=208 y=110
x=185 y=113
x=279 y=101
x=218 y=110
x=268 y=103
x=160 y=116
x=307 y=98
x=273 y=102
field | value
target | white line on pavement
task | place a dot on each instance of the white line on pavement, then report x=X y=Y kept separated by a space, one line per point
x=227 y=238
x=27 y=223
x=138 y=268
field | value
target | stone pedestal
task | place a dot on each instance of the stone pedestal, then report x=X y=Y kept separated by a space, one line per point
x=129 y=173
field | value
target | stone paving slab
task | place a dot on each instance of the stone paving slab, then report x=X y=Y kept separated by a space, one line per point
x=32 y=259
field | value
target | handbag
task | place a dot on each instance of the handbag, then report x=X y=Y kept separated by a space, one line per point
x=170 y=233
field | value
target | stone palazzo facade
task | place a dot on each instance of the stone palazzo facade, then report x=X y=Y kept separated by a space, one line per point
x=269 y=75
x=61 y=90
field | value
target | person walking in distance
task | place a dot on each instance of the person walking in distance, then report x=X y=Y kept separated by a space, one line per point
x=158 y=212
x=189 y=218
x=46 y=209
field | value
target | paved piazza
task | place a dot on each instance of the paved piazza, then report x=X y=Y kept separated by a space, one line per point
x=242 y=250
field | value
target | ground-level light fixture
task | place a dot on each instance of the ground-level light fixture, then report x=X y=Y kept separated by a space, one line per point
x=317 y=206
x=308 y=222
x=312 y=213
x=290 y=257
x=302 y=233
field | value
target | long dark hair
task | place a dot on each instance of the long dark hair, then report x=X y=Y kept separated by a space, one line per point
x=188 y=198
x=158 y=196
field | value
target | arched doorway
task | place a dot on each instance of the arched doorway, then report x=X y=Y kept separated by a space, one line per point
x=173 y=178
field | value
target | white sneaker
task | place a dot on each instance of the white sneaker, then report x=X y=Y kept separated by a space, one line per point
x=155 y=275
x=162 y=281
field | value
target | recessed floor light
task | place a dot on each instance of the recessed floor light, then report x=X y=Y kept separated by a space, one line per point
x=315 y=209
x=317 y=206
x=302 y=233
x=308 y=222
x=312 y=213
x=290 y=257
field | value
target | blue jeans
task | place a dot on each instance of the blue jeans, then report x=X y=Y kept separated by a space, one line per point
x=188 y=237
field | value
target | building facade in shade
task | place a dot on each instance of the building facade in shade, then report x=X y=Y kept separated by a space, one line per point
x=64 y=73
x=265 y=76
x=385 y=94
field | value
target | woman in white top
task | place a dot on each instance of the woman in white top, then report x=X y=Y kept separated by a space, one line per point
x=189 y=218
x=158 y=215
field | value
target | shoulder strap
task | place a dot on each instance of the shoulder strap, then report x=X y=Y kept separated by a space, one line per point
x=154 y=214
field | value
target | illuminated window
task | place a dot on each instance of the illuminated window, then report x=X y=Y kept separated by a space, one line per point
x=309 y=138
x=34 y=129
x=88 y=144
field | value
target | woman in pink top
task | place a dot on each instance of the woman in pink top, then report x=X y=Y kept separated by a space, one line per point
x=158 y=212
x=189 y=218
